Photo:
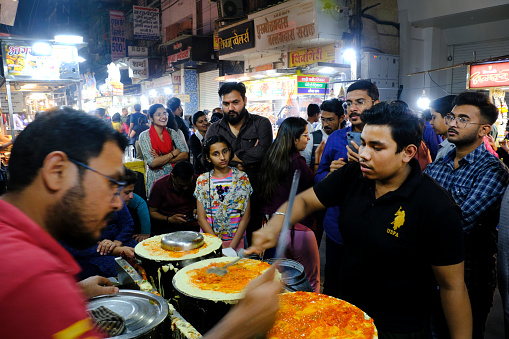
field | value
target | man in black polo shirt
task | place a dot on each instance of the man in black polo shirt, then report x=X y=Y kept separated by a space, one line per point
x=401 y=230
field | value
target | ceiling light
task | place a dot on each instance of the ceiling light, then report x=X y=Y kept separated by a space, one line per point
x=349 y=55
x=326 y=70
x=69 y=39
x=152 y=93
x=41 y=49
x=168 y=91
x=423 y=101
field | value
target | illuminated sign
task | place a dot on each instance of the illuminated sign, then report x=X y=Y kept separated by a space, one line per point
x=489 y=75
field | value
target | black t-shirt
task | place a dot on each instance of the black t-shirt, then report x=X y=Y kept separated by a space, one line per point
x=391 y=242
x=138 y=129
x=135 y=117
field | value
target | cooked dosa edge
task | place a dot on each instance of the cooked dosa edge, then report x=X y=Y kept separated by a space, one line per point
x=193 y=280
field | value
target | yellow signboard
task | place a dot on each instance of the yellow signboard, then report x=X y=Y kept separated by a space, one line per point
x=309 y=56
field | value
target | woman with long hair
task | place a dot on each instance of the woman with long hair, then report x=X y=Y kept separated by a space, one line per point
x=162 y=147
x=115 y=122
x=200 y=124
x=275 y=180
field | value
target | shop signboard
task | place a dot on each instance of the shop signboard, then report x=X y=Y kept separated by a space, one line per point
x=183 y=97
x=287 y=26
x=311 y=78
x=236 y=38
x=311 y=55
x=136 y=51
x=311 y=85
x=179 y=52
x=488 y=75
x=132 y=89
x=307 y=84
x=312 y=91
x=17 y=102
x=158 y=82
x=146 y=23
x=117 y=34
x=20 y=63
x=138 y=68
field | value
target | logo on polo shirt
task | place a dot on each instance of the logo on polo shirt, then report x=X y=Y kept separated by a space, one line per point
x=399 y=220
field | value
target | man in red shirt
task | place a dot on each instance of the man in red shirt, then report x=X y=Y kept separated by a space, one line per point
x=65 y=186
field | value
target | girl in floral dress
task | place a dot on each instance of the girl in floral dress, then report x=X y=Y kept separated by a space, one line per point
x=223 y=195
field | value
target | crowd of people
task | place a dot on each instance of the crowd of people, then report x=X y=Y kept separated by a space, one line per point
x=409 y=205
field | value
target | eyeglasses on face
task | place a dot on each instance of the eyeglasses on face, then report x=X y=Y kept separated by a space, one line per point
x=328 y=119
x=157 y=115
x=460 y=122
x=117 y=186
x=357 y=103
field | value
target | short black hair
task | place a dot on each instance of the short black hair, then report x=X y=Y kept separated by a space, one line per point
x=142 y=120
x=443 y=105
x=229 y=87
x=115 y=117
x=426 y=115
x=488 y=111
x=365 y=85
x=334 y=106
x=183 y=170
x=101 y=112
x=130 y=177
x=197 y=116
x=313 y=109
x=404 y=124
x=173 y=103
x=79 y=135
x=216 y=117
x=137 y=107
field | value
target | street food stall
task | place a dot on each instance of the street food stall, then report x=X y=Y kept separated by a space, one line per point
x=38 y=74
x=493 y=75
x=175 y=288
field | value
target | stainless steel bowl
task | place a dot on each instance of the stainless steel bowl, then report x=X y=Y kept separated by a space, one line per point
x=182 y=241
x=144 y=313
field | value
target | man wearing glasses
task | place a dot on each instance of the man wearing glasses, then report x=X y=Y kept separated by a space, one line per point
x=476 y=180
x=360 y=96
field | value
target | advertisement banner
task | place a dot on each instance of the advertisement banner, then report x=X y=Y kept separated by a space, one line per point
x=310 y=78
x=311 y=85
x=138 y=68
x=488 y=75
x=22 y=63
x=237 y=38
x=310 y=56
x=312 y=91
x=117 y=34
x=146 y=23
x=287 y=26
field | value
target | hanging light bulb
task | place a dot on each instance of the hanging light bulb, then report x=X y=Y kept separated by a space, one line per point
x=423 y=101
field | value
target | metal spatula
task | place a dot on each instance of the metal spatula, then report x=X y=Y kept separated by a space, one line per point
x=283 y=236
x=220 y=271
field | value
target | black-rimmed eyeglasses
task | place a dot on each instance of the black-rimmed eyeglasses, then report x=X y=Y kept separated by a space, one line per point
x=118 y=185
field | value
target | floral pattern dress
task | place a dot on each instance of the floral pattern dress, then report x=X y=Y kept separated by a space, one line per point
x=146 y=146
x=225 y=205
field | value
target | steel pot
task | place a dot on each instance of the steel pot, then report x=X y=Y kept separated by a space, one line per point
x=294 y=276
x=145 y=314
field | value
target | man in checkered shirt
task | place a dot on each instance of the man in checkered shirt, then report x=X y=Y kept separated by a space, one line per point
x=476 y=180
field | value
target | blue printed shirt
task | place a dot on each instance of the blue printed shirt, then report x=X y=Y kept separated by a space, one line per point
x=477 y=185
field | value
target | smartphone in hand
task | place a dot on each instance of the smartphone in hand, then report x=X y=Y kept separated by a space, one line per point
x=353 y=136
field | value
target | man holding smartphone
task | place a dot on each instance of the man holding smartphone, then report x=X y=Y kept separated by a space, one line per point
x=171 y=203
x=360 y=96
